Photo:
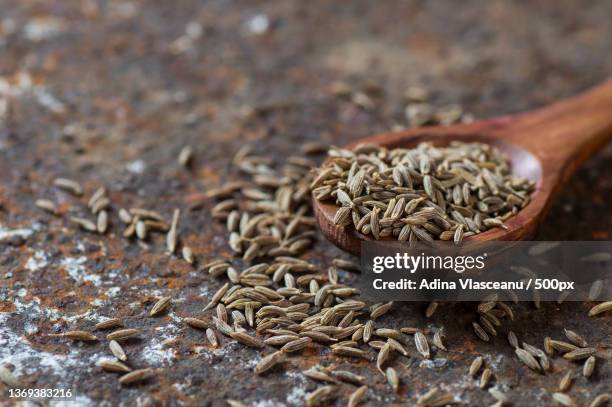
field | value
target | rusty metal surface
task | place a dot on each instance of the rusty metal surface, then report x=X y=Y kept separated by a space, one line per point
x=108 y=92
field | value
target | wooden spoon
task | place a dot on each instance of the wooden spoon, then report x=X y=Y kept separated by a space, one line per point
x=545 y=145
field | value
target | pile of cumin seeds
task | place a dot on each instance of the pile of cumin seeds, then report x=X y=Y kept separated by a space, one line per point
x=279 y=300
x=421 y=194
x=291 y=304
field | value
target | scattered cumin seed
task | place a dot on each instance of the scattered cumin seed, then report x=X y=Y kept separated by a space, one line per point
x=382 y=357
x=217 y=296
x=109 y=323
x=196 y=323
x=269 y=361
x=600 y=400
x=441 y=400
x=160 y=306
x=122 y=334
x=480 y=332
x=475 y=366
x=184 y=156
x=438 y=340
x=595 y=290
x=528 y=359
x=349 y=377
x=581 y=353
x=574 y=338
x=561 y=346
x=8 y=377
x=351 y=352
x=381 y=310
x=125 y=216
x=421 y=344
x=141 y=230
x=319 y=375
x=485 y=378
x=563 y=399
x=321 y=395
x=392 y=379
x=499 y=396
x=46 y=205
x=597 y=257
x=548 y=348
x=600 y=308
x=247 y=340
x=117 y=350
x=102 y=222
x=431 y=309
x=85 y=224
x=296 y=345
x=172 y=236
x=346 y=265
x=114 y=366
x=426 y=398
x=512 y=339
x=100 y=204
x=68 y=185
x=187 y=254
x=566 y=382
x=589 y=367
x=357 y=396
x=96 y=196
x=136 y=376
x=80 y=336
x=212 y=337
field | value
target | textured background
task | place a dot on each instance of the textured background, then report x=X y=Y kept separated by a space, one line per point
x=108 y=92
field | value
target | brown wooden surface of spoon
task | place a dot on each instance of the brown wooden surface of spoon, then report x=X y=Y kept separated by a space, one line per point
x=545 y=145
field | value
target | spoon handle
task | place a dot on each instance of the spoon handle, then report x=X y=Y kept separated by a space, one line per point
x=565 y=134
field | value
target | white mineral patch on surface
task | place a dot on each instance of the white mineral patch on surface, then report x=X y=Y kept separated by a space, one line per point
x=79 y=400
x=136 y=166
x=30 y=328
x=49 y=101
x=175 y=317
x=6 y=233
x=16 y=350
x=495 y=361
x=296 y=396
x=37 y=261
x=40 y=28
x=453 y=388
x=268 y=403
x=33 y=309
x=75 y=267
x=252 y=363
x=208 y=352
x=113 y=292
x=258 y=24
x=97 y=302
x=155 y=353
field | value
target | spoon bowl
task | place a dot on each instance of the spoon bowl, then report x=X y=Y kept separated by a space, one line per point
x=545 y=146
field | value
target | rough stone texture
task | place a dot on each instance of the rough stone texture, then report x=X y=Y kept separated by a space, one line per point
x=108 y=92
